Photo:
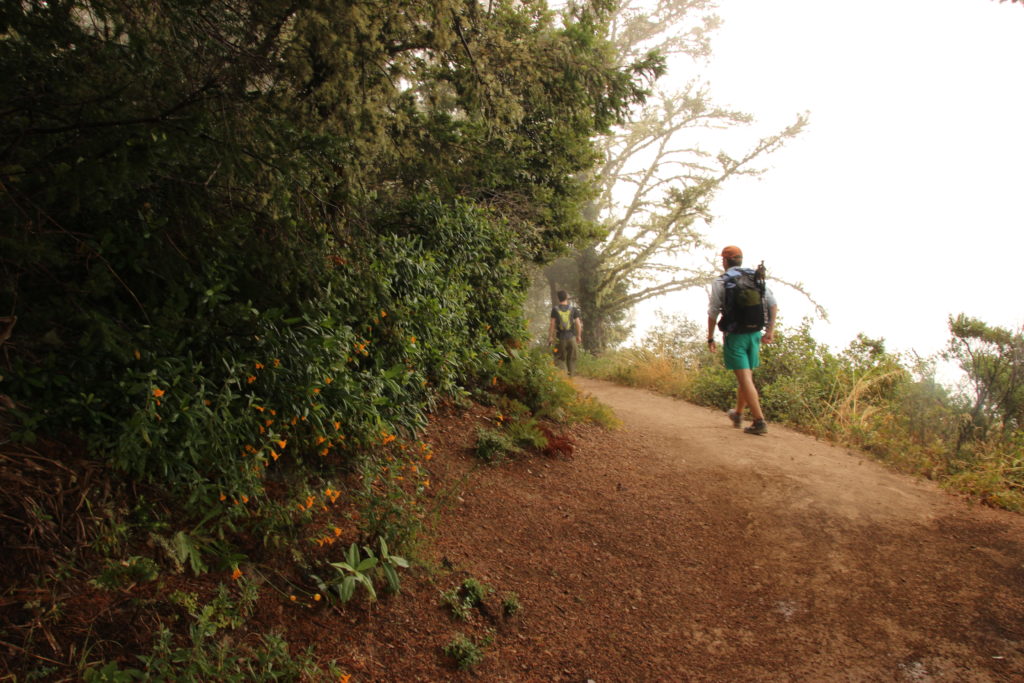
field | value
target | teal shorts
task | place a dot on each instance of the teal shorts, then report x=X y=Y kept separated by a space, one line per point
x=742 y=351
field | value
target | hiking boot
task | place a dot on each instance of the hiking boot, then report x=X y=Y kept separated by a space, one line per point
x=759 y=427
x=736 y=418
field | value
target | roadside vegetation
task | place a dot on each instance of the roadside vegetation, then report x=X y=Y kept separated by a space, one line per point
x=971 y=438
x=246 y=250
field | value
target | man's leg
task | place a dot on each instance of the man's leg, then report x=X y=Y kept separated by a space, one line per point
x=747 y=393
x=570 y=356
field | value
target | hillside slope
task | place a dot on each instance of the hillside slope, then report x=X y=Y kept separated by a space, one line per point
x=678 y=548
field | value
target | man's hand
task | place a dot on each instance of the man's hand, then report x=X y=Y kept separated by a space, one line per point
x=711 y=345
x=768 y=337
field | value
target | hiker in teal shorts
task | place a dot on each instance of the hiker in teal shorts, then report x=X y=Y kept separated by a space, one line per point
x=745 y=310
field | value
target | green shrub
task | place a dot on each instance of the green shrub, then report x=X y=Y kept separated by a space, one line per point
x=466 y=652
x=493 y=446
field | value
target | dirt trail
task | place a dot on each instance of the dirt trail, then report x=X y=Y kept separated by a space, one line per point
x=681 y=549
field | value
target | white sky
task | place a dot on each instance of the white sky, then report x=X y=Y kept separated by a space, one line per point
x=903 y=201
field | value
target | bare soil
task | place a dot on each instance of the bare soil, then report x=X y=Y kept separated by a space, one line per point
x=681 y=549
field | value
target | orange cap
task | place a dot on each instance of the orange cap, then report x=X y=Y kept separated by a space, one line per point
x=732 y=252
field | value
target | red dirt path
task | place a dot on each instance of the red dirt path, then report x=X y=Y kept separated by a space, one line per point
x=681 y=549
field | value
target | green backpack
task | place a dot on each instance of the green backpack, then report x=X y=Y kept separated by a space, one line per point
x=564 y=320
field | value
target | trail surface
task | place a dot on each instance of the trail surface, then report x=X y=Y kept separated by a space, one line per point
x=681 y=549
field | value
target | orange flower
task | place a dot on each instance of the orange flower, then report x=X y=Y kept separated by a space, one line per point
x=337 y=425
x=259 y=366
x=292 y=598
x=320 y=440
x=223 y=497
x=412 y=340
x=250 y=379
x=383 y=314
x=328 y=380
x=259 y=408
x=282 y=443
x=337 y=531
x=317 y=597
x=426 y=483
x=157 y=393
x=316 y=390
x=325 y=451
x=277 y=362
x=237 y=574
x=274 y=454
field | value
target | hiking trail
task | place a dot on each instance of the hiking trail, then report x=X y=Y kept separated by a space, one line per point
x=681 y=549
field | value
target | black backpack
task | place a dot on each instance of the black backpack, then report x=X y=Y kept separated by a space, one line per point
x=745 y=309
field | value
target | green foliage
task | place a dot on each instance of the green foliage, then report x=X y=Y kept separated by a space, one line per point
x=359 y=569
x=209 y=654
x=510 y=604
x=466 y=651
x=465 y=597
x=224 y=659
x=246 y=241
x=493 y=446
x=223 y=611
x=354 y=571
x=993 y=359
x=532 y=380
x=124 y=573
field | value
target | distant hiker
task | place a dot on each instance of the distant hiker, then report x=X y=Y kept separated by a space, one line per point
x=567 y=326
x=746 y=307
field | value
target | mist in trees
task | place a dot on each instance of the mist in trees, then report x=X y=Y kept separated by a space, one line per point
x=656 y=180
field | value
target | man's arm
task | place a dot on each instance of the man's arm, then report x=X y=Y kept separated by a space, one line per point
x=579 y=330
x=769 y=331
x=715 y=301
x=712 y=322
x=551 y=331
